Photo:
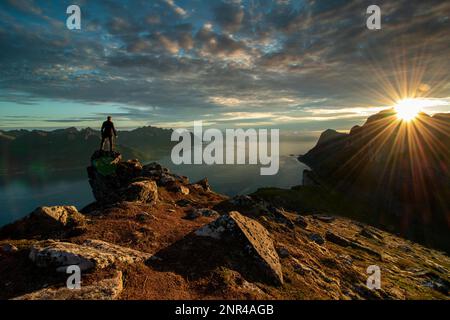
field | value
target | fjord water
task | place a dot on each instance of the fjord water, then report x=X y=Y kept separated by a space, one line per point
x=20 y=194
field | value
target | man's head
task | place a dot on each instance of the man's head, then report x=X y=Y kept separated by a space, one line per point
x=109 y=118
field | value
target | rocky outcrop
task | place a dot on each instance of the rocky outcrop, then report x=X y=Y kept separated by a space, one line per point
x=113 y=180
x=44 y=222
x=253 y=238
x=91 y=254
x=106 y=289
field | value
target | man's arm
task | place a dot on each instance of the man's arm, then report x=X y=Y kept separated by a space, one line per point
x=103 y=128
x=114 y=130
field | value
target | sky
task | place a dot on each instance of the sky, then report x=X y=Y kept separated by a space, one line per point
x=304 y=65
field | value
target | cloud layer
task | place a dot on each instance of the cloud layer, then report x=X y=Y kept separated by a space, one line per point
x=257 y=61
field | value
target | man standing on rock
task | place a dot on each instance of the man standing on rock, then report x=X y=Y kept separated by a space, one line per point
x=108 y=130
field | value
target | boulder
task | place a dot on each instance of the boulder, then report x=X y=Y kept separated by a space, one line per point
x=106 y=289
x=91 y=254
x=177 y=187
x=152 y=169
x=166 y=179
x=144 y=191
x=197 y=213
x=301 y=221
x=252 y=237
x=129 y=170
x=183 y=190
x=58 y=221
x=317 y=238
x=204 y=185
x=64 y=216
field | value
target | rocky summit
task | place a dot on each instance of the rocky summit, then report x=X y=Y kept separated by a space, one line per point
x=152 y=234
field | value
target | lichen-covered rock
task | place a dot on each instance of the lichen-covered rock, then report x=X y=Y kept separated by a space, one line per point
x=91 y=254
x=106 y=289
x=58 y=221
x=252 y=236
x=143 y=191
x=66 y=216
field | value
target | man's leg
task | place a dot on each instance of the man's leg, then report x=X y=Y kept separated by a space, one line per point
x=102 y=143
x=110 y=143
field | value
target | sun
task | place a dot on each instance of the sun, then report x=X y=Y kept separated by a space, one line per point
x=408 y=109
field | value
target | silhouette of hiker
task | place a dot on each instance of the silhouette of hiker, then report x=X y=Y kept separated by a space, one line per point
x=108 y=130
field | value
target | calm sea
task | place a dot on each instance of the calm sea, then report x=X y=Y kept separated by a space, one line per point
x=21 y=194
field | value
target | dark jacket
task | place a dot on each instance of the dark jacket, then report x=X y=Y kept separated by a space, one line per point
x=108 y=129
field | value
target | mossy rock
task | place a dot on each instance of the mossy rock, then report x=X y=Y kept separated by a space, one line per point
x=106 y=166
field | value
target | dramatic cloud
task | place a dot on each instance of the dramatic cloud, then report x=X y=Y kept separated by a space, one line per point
x=227 y=62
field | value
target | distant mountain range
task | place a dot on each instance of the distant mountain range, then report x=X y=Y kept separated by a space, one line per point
x=400 y=170
x=24 y=150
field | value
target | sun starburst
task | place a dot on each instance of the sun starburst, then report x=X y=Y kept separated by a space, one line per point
x=408 y=109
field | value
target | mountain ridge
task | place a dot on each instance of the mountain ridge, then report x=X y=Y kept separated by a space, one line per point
x=37 y=149
x=399 y=169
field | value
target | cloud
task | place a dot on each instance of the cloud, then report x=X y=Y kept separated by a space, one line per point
x=229 y=15
x=180 y=11
x=174 y=61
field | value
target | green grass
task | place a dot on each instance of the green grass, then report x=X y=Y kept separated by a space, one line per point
x=307 y=200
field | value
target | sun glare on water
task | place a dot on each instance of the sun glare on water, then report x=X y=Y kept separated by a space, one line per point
x=409 y=109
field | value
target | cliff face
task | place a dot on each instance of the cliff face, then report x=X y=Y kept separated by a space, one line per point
x=400 y=170
x=152 y=234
